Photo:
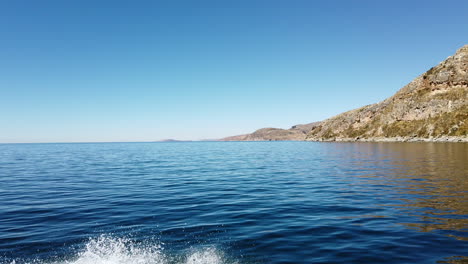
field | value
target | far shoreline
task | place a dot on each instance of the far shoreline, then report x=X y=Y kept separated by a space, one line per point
x=446 y=139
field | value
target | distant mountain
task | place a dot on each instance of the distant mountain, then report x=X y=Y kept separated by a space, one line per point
x=433 y=107
x=297 y=132
x=172 y=140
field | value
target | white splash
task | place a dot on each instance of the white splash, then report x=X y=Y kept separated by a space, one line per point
x=207 y=256
x=108 y=250
x=111 y=250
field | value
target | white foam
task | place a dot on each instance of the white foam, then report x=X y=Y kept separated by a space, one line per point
x=206 y=256
x=111 y=250
x=108 y=250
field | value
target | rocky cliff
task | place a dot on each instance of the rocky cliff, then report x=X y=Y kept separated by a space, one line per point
x=433 y=107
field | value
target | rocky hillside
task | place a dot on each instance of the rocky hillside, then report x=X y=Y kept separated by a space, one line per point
x=297 y=132
x=433 y=107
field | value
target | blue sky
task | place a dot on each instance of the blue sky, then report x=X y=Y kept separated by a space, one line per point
x=83 y=71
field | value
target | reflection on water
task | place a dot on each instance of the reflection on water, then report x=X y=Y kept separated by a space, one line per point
x=431 y=180
x=234 y=202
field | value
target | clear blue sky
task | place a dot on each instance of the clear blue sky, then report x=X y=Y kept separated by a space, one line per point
x=85 y=70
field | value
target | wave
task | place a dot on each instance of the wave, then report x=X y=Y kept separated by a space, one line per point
x=110 y=250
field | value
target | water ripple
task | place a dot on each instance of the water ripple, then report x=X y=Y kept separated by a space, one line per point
x=234 y=202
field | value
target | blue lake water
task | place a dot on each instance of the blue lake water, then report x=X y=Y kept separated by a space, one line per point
x=234 y=202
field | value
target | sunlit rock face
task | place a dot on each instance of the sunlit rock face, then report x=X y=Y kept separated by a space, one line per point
x=433 y=107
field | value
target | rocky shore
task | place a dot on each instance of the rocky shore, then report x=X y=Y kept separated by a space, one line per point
x=396 y=139
x=433 y=107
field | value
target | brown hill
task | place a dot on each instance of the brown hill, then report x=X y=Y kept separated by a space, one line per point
x=432 y=107
x=297 y=132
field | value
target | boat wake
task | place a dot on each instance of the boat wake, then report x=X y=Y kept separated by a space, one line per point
x=110 y=250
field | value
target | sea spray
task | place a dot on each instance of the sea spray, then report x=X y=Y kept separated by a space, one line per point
x=206 y=256
x=107 y=249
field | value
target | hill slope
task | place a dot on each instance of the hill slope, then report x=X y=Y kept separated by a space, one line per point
x=297 y=132
x=434 y=107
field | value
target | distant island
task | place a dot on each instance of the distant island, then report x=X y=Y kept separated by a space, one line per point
x=433 y=107
x=177 y=140
x=172 y=140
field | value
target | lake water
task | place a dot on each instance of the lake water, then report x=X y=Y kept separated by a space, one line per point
x=234 y=202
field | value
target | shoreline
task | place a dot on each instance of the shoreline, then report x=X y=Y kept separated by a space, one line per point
x=393 y=139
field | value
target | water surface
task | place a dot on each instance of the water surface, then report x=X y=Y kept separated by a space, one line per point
x=234 y=202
